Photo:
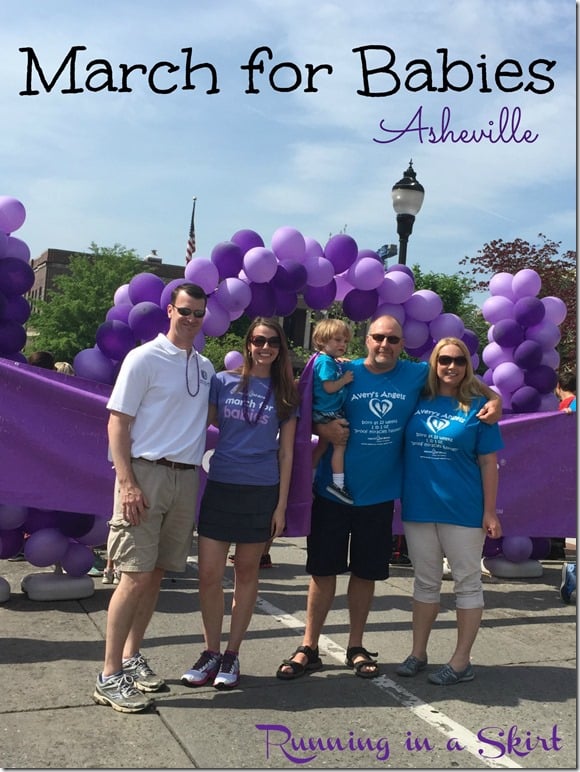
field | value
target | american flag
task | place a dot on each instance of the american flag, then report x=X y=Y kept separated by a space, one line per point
x=190 y=248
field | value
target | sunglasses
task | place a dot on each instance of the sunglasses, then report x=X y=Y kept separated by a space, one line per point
x=199 y=313
x=378 y=338
x=260 y=341
x=445 y=360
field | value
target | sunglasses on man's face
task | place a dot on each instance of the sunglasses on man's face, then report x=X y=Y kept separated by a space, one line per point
x=260 y=341
x=199 y=313
x=379 y=338
x=445 y=360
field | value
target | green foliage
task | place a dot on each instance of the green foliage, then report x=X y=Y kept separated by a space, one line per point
x=557 y=270
x=67 y=321
x=215 y=349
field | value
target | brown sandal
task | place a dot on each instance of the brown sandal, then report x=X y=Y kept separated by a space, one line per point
x=368 y=661
x=298 y=669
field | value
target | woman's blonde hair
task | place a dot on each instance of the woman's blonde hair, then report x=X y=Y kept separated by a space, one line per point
x=326 y=329
x=283 y=385
x=468 y=388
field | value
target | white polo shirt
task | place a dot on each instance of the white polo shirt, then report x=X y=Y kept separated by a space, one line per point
x=170 y=413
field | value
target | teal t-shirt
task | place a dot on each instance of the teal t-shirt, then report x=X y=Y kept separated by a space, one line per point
x=442 y=478
x=377 y=407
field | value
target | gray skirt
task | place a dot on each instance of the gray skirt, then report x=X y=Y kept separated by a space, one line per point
x=237 y=513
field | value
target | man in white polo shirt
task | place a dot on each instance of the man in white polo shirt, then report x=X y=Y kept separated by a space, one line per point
x=157 y=430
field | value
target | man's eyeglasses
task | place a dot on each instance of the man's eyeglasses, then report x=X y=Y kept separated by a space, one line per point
x=445 y=360
x=260 y=341
x=199 y=313
x=379 y=338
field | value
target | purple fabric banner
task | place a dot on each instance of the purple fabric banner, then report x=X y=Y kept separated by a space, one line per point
x=53 y=455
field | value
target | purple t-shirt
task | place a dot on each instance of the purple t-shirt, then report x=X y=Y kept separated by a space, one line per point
x=246 y=452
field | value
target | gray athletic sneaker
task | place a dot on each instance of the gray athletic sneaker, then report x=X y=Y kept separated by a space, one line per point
x=143 y=677
x=120 y=693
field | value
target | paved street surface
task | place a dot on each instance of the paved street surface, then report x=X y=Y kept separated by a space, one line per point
x=520 y=711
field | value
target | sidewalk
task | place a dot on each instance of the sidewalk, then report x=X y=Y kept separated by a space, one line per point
x=524 y=659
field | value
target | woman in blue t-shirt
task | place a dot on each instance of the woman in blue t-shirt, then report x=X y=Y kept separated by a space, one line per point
x=448 y=504
x=255 y=409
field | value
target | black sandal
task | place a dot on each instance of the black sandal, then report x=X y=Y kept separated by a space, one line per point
x=368 y=661
x=298 y=669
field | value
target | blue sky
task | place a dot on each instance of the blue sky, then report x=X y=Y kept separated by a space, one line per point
x=123 y=167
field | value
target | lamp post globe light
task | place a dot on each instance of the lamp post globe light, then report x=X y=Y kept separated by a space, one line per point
x=408 y=195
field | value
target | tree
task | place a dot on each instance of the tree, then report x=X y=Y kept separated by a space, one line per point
x=67 y=321
x=557 y=271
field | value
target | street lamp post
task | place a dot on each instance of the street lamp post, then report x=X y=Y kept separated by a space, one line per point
x=408 y=195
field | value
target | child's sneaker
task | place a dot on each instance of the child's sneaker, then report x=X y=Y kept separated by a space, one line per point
x=116 y=576
x=228 y=676
x=340 y=493
x=204 y=670
x=568 y=585
x=108 y=576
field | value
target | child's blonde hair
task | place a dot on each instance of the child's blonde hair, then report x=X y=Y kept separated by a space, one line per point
x=326 y=329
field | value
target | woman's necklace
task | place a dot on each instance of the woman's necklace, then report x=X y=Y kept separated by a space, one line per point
x=194 y=356
x=245 y=405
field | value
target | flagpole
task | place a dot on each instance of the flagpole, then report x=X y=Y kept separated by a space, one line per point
x=190 y=247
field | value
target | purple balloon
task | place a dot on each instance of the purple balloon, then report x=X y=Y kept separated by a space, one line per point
x=396 y=287
x=16 y=308
x=4 y=243
x=147 y=320
x=45 y=547
x=121 y=296
x=542 y=378
x=319 y=271
x=516 y=548
x=246 y=239
x=471 y=341
x=16 y=276
x=526 y=283
x=165 y=298
x=555 y=309
x=343 y=286
x=233 y=294
x=78 y=559
x=260 y=264
x=145 y=287
x=501 y=284
x=526 y=399
x=12 y=337
x=548 y=403
x=508 y=333
x=17 y=248
x=286 y=302
x=312 y=248
x=227 y=256
x=390 y=309
x=508 y=377
x=529 y=311
x=233 y=360
x=98 y=534
x=366 y=273
x=496 y=308
x=493 y=354
x=288 y=244
x=12 y=516
x=290 y=276
x=216 y=321
x=546 y=334
x=115 y=339
x=342 y=251
x=360 y=304
x=318 y=298
x=12 y=214
x=420 y=351
x=415 y=333
x=91 y=363
x=11 y=542
x=75 y=524
x=541 y=547
x=119 y=313
x=37 y=519
x=491 y=547
x=401 y=269
x=550 y=358
x=487 y=377
x=263 y=302
x=446 y=326
x=528 y=354
x=424 y=305
x=203 y=272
